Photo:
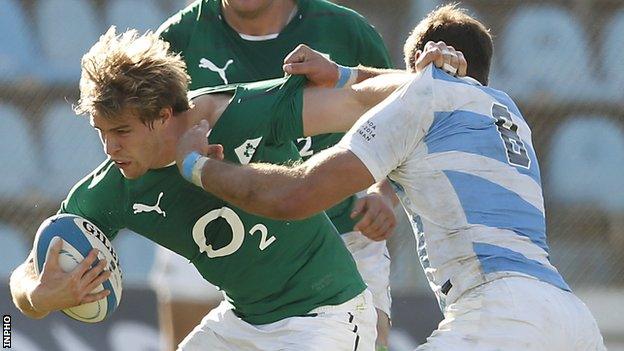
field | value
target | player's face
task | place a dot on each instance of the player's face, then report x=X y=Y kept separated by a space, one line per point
x=134 y=146
x=248 y=8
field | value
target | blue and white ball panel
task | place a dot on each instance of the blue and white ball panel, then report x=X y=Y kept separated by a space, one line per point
x=79 y=238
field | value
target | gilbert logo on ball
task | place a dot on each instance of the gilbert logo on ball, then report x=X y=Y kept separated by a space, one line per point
x=79 y=237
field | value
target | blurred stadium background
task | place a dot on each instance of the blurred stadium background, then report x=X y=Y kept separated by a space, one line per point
x=561 y=60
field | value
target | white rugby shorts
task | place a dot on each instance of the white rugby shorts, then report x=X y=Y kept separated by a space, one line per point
x=346 y=327
x=516 y=314
x=373 y=263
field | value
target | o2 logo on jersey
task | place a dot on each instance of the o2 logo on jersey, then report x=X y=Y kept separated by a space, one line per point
x=508 y=130
x=238 y=233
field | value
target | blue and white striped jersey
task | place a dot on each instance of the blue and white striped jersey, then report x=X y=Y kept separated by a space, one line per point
x=461 y=158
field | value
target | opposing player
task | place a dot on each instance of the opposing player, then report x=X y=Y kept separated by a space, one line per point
x=290 y=285
x=237 y=41
x=460 y=155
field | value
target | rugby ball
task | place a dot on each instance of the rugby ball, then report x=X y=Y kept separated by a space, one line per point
x=79 y=237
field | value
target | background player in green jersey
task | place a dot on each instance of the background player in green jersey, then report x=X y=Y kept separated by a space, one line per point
x=291 y=278
x=233 y=41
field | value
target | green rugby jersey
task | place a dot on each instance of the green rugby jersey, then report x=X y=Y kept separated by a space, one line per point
x=216 y=54
x=268 y=269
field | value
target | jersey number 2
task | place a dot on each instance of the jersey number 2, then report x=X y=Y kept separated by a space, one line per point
x=508 y=130
x=306 y=149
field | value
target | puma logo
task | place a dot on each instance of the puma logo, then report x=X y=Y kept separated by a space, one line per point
x=205 y=63
x=138 y=208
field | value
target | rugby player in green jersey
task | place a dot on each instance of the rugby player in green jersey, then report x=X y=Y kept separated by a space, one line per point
x=290 y=285
x=233 y=41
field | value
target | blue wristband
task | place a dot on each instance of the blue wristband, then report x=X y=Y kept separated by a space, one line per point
x=188 y=163
x=344 y=73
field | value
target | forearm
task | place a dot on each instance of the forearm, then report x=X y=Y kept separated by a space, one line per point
x=336 y=110
x=287 y=193
x=252 y=187
x=374 y=90
x=364 y=73
x=22 y=283
x=269 y=190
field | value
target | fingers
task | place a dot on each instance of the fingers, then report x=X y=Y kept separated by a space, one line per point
x=92 y=279
x=54 y=250
x=358 y=208
x=100 y=279
x=371 y=223
x=298 y=68
x=383 y=232
x=92 y=273
x=417 y=55
x=450 y=58
x=318 y=68
x=196 y=139
x=214 y=151
x=298 y=54
x=374 y=224
x=369 y=227
x=463 y=65
x=379 y=229
x=442 y=56
x=319 y=72
x=378 y=220
x=84 y=266
x=367 y=219
x=386 y=230
x=94 y=297
x=432 y=53
x=438 y=56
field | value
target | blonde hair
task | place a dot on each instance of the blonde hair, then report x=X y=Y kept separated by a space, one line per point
x=132 y=72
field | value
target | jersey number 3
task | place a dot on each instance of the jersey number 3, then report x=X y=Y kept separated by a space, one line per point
x=508 y=130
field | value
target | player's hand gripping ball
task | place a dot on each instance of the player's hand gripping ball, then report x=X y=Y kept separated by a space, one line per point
x=79 y=238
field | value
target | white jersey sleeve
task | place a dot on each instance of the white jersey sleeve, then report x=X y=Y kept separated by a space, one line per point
x=387 y=135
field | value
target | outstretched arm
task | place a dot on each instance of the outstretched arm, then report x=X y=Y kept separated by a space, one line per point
x=331 y=106
x=322 y=72
x=302 y=191
x=336 y=110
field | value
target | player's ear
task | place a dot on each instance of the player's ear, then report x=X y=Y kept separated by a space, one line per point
x=165 y=115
